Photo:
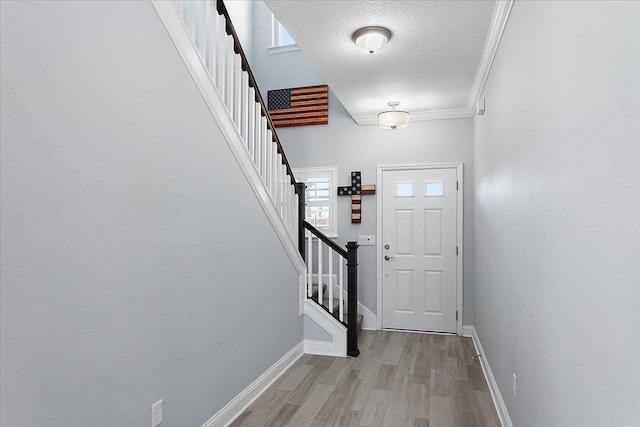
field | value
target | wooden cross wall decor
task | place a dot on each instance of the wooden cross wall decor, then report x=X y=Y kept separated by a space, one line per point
x=356 y=190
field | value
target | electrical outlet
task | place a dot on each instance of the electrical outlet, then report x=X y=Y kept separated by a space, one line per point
x=515 y=383
x=367 y=240
x=156 y=413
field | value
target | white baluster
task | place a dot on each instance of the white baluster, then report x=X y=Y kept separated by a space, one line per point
x=261 y=148
x=330 y=256
x=266 y=134
x=244 y=110
x=285 y=198
x=320 y=298
x=341 y=287
x=179 y=4
x=220 y=46
x=292 y=206
x=202 y=29
x=274 y=170
x=268 y=171
x=296 y=215
x=278 y=193
x=191 y=20
x=257 y=136
x=229 y=66
x=237 y=89
x=263 y=153
x=212 y=19
x=309 y=264
x=283 y=194
x=253 y=124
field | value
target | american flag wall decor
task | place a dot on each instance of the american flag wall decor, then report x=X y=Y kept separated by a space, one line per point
x=299 y=106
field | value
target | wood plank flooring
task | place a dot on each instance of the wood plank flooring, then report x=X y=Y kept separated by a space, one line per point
x=400 y=379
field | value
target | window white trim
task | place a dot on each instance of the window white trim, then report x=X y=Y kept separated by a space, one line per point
x=283 y=49
x=301 y=175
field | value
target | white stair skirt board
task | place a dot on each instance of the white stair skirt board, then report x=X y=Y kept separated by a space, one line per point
x=501 y=409
x=212 y=98
x=238 y=404
x=338 y=345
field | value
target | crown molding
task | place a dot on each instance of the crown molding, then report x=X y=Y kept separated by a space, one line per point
x=496 y=28
x=418 y=116
x=498 y=23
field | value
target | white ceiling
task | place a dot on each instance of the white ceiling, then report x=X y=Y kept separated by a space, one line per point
x=434 y=64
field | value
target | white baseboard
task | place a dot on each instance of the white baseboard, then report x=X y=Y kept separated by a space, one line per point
x=501 y=409
x=322 y=348
x=238 y=404
x=468 y=331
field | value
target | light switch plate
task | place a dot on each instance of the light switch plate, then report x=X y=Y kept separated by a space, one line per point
x=367 y=240
x=156 y=413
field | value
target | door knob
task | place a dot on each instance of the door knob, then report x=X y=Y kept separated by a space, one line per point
x=387 y=257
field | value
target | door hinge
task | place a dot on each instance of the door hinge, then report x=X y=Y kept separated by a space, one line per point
x=456 y=315
x=457 y=185
x=456 y=251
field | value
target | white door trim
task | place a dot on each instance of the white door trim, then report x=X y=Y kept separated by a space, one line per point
x=459 y=232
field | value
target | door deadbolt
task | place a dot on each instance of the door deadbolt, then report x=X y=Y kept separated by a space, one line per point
x=386 y=246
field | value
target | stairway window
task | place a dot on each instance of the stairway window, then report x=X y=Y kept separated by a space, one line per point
x=281 y=40
x=320 y=197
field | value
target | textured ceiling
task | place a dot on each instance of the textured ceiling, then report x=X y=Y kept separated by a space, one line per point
x=429 y=65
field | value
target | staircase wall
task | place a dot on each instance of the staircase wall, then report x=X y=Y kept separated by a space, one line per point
x=137 y=264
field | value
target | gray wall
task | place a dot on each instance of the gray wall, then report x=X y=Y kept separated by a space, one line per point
x=280 y=70
x=557 y=159
x=126 y=230
x=344 y=144
x=313 y=331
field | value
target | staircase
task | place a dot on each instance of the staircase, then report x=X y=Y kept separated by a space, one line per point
x=204 y=36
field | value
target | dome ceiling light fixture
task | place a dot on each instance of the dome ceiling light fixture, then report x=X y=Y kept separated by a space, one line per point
x=371 y=39
x=393 y=119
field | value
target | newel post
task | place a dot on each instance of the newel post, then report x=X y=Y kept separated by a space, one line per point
x=300 y=189
x=352 y=302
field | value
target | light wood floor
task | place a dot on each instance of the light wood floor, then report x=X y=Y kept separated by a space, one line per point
x=399 y=379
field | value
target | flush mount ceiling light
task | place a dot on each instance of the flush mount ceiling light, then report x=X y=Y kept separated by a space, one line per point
x=393 y=119
x=371 y=39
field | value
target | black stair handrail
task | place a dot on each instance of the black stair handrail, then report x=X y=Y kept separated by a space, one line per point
x=333 y=245
x=237 y=47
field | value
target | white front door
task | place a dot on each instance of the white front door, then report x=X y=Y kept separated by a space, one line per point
x=419 y=237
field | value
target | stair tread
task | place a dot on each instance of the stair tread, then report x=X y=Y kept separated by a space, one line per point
x=314 y=290
x=336 y=304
